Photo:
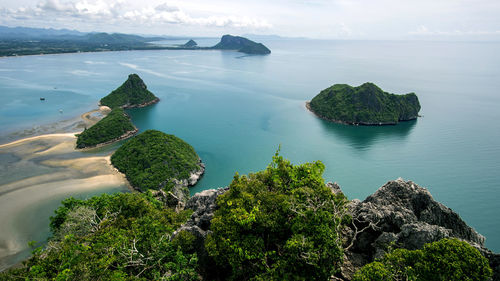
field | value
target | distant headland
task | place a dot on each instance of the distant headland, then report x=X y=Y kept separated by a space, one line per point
x=22 y=41
x=363 y=105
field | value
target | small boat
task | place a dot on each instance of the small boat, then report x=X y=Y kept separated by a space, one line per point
x=42 y=98
x=60 y=111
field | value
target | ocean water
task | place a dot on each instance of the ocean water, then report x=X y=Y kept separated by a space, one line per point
x=236 y=110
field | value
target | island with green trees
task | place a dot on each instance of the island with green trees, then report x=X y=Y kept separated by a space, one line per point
x=241 y=44
x=132 y=93
x=363 y=105
x=117 y=125
x=114 y=127
x=155 y=160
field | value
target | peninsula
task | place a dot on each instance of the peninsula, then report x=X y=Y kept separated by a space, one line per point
x=363 y=105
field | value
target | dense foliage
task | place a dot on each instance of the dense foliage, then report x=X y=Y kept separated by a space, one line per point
x=111 y=237
x=447 y=259
x=282 y=223
x=132 y=92
x=152 y=159
x=366 y=104
x=241 y=44
x=111 y=127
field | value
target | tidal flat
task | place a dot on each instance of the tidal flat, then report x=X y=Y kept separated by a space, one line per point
x=37 y=173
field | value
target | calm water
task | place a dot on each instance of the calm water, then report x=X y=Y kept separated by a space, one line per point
x=236 y=110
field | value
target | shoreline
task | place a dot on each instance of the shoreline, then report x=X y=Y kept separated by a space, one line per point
x=122 y=137
x=308 y=107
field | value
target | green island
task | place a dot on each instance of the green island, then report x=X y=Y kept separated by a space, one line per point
x=155 y=160
x=115 y=126
x=282 y=223
x=241 y=44
x=132 y=93
x=363 y=105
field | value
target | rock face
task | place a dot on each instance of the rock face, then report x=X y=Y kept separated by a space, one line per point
x=203 y=205
x=241 y=44
x=403 y=213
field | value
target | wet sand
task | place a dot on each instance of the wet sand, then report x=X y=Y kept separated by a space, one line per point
x=36 y=173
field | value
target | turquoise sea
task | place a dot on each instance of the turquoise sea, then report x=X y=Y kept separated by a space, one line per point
x=236 y=110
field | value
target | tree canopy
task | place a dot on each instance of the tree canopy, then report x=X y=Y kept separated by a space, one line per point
x=447 y=259
x=282 y=223
x=116 y=124
x=366 y=104
x=125 y=236
x=131 y=93
x=152 y=159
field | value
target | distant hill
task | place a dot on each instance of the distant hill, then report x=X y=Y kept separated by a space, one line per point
x=190 y=44
x=241 y=44
x=132 y=93
x=28 y=32
x=364 y=105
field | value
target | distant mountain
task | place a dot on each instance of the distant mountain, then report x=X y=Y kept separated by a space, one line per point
x=241 y=44
x=35 y=33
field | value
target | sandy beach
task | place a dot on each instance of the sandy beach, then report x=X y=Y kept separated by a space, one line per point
x=36 y=173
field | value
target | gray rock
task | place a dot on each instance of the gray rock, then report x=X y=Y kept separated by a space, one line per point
x=401 y=214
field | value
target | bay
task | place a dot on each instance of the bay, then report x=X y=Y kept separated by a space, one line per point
x=236 y=110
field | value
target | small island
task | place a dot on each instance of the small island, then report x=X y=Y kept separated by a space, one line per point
x=114 y=127
x=363 y=105
x=190 y=44
x=155 y=160
x=132 y=93
x=241 y=44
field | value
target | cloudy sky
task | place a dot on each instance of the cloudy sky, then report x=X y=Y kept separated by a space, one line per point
x=335 y=19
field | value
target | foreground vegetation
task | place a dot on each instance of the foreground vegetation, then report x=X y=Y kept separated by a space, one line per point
x=153 y=159
x=365 y=105
x=111 y=237
x=281 y=223
x=115 y=125
x=447 y=259
x=132 y=93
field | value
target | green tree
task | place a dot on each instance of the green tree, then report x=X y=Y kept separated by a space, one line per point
x=282 y=223
x=447 y=259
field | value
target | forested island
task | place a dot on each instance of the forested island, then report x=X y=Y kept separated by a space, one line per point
x=241 y=44
x=281 y=223
x=132 y=93
x=155 y=160
x=364 y=105
x=117 y=124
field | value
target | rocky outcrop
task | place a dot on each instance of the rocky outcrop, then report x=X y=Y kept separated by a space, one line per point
x=402 y=214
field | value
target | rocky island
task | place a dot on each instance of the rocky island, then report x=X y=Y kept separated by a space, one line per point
x=132 y=93
x=155 y=160
x=190 y=44
x=364 y=105
x=241 y=44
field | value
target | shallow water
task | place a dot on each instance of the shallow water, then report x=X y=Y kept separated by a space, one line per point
x=236 y=110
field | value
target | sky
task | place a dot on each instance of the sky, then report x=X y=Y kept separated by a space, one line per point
x=322 y=19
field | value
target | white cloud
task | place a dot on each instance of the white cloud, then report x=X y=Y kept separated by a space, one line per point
x=110 y=11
